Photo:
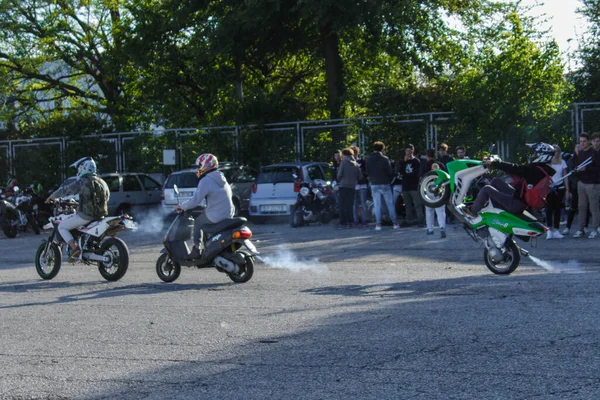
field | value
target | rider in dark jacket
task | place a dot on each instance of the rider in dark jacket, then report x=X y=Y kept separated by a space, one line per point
x=505 y=196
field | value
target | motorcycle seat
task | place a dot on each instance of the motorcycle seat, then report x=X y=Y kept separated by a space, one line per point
x=228 y=223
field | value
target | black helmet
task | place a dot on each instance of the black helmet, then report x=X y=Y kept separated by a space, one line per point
x=542 y=152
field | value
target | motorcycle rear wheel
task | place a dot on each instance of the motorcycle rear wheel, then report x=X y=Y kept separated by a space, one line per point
x=9 y=230
x=167 y=269
x=433 y=198
x=512 y=258
x=246 y=270
x=117 y=251
x=48 y=265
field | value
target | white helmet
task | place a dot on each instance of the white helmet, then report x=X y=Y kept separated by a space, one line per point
x=85 y=166
x=542 y=152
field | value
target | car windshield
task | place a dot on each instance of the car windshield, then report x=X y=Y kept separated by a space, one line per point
x=277 y=174
x=184 y=180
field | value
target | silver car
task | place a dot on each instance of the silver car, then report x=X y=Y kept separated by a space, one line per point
x=276 y=188
x=240 y=177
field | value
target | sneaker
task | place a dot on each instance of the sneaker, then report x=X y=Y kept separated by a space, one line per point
x=549 y=234
x=74 y=255
x=396 y=227
x=195 y=253
x=378 y=227
x=557 y=235
x=593 y=235
x=578 y=234
x=466 y=210
x=443 y=233
x=429 y=233
x=566 y=231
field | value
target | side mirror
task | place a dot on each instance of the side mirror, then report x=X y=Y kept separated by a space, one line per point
x=492 y=148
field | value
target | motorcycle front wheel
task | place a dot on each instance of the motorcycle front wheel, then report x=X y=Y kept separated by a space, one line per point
x=167 y=269
x=9 y=230
x=246 y=270
x=33 y=223
x=433 y=196
x=118 y=253
x=47 y=264
x=511 y=261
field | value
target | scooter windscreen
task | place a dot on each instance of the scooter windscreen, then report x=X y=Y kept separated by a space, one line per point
x=181 y=228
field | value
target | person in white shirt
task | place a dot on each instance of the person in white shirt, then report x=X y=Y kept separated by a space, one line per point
x=554 y=202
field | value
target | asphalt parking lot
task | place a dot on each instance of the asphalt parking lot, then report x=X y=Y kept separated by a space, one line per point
x=329 y=314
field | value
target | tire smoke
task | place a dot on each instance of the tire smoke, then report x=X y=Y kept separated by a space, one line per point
x=286 y=259
x=570 y=267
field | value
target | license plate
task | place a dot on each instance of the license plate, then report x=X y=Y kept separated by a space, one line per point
x=273 y=208
x=186 y=194
x=250 y=246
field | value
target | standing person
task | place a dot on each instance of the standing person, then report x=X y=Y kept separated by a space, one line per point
x=461 y=153
x=444 y=158
x=379 y=171
x=348 y=174
x=556 y=197
x=335 y=164
x=93 y=201
x=361 y=190
x=431 y=165
x=213 y=187
x=410 y=167
x=587 y=188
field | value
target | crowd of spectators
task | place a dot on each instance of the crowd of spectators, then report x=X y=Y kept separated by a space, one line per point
x=379 y=178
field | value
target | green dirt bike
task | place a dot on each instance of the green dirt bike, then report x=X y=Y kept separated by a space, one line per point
x=495 y=228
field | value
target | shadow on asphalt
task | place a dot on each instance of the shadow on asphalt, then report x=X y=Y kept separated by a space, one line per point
x=467 y=338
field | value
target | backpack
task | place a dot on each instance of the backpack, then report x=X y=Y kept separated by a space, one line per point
x=536 y=196
x=97 y=201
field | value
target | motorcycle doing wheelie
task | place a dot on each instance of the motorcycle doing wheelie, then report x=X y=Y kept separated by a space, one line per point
x=17 y=215
x=226 y=247
x=315 y=203
x=96 y=239
x=495 y=228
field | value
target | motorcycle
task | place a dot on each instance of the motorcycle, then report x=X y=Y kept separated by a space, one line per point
x=226 y=247
x=495 y=228
x=18 y=214
x=316 y=202
x=97 y=241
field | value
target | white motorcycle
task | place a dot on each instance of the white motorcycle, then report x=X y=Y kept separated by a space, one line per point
x=96 y=240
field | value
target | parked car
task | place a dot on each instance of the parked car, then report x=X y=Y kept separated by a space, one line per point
x=276 y=189
x=240 y=178
x=130 y=192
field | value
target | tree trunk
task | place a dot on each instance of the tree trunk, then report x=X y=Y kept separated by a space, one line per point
x=336 y=89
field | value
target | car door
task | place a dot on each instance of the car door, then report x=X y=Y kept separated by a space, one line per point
x=132 y=190
x=152 y=189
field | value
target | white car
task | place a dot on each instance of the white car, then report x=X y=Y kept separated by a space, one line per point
x=276 y=189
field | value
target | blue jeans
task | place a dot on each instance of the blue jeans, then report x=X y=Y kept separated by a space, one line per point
x=360 y=199
x=385 y=192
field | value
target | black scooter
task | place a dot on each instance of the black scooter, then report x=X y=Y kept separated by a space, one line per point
x=226 y=247
x=17 y=215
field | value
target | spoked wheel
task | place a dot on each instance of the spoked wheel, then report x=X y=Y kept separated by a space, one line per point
x=167 y=269
x=512 y=258
x=118 y=259
x=47 y=263
x=246 y=270
x=33 y=223
x=433 y=195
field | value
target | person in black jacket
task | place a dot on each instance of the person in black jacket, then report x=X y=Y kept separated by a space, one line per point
x=379 y=171
x=410 y=167
x=505 y=196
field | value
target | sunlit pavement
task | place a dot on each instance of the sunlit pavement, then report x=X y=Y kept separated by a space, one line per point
x=331 y=314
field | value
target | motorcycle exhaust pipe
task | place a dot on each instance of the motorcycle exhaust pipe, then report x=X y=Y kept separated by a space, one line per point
x=94 y=257
x=524 y=252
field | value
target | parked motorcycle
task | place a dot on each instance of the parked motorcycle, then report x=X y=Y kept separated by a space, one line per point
x=316 y=202
x=495 y=228
x=17 y=214
x=97 y=241
x=226 y=247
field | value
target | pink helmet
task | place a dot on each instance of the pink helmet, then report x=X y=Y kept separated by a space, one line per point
x=206 y=163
